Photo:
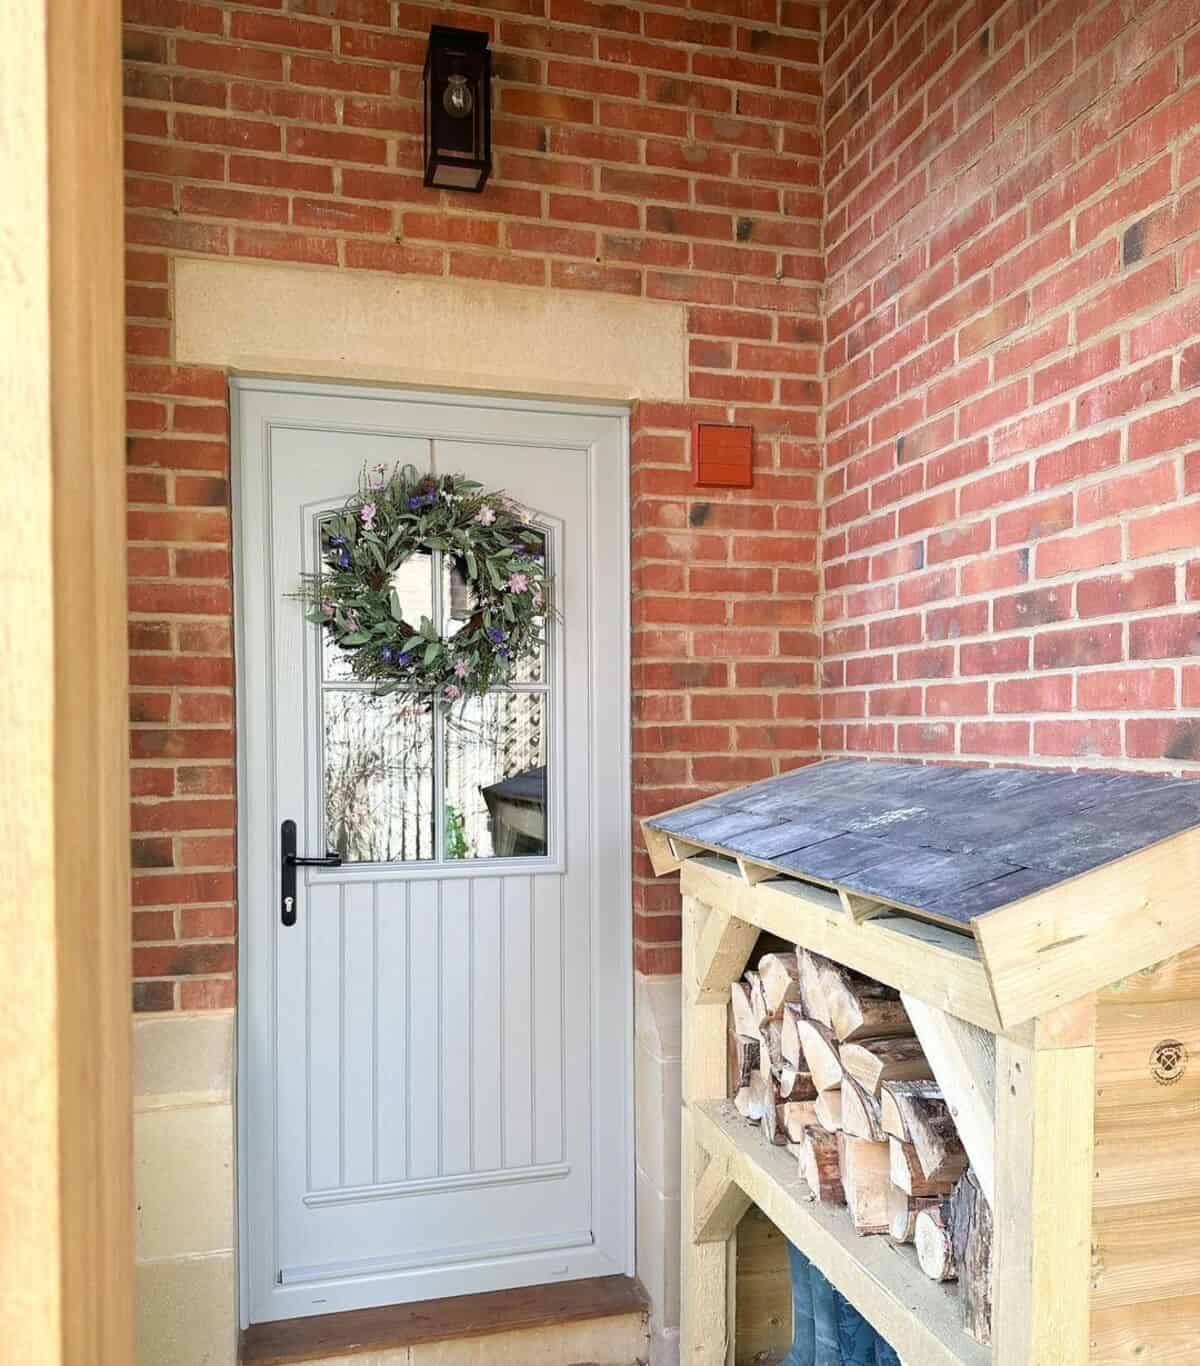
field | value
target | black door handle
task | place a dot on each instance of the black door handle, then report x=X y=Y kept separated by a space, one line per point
x=289 y=861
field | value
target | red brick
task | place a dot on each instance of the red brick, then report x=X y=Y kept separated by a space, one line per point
x=230 y=58
x=1076 y=369
x=1077 y=460
x=336 y=146
x=293 y=175
x=1172 y=529
x=1051 y=692
x=283 y=32
x=1164 y=430
x=1083 y=739
x=1130 y=198
x=226 y=203
x=1163 y=738
x=1115 y=496
x=1127 y=690
x=995 y=657
x=253 y=134
x=1150 y=285
x=1078 y=648
x=1035 y=521
x=1009 y=738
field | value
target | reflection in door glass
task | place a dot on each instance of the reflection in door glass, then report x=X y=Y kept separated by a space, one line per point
x=495 y=792
x=459 y=603
x=412 y=583
x=379 y=803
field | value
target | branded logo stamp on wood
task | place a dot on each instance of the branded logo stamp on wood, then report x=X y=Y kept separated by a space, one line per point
x=1168 y=1062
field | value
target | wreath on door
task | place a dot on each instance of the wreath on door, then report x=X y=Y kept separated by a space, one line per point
x=495 y=555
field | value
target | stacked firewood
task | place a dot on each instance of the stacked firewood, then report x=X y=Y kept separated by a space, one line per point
x=826 y=1061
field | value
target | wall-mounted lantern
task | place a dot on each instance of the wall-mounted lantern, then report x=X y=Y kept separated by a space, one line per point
x=458 y=109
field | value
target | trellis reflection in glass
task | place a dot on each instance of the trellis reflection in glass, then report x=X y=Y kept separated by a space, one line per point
x=391 y=763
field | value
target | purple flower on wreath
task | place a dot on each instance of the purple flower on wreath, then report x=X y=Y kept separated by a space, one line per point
x=366 y=515
x=404 y=660
x=343 y=559
x=518 y=583
x=496 y=635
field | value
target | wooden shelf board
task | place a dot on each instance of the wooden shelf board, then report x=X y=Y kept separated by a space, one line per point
x=920 y=1318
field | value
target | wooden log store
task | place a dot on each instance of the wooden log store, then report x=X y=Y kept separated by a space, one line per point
x=972 y=1019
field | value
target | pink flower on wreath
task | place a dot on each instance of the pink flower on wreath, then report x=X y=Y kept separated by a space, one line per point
x=451 y=692
x=486 y=516
x=518 y=583
x=461 y=669
x=366 y=515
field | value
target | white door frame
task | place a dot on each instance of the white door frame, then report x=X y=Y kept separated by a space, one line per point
x=613 y=915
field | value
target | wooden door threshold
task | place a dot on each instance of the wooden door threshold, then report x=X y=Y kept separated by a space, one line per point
x=460 y=1316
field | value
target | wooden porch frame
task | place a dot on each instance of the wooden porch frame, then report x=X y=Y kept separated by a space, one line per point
x=66 y=1237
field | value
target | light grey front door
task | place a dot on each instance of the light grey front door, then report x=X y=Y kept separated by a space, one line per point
x=434 y=1079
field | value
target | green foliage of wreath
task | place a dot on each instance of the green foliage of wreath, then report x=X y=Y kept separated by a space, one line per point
x=490 y=543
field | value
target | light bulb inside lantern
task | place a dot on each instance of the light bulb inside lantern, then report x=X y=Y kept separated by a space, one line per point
x=457 y=99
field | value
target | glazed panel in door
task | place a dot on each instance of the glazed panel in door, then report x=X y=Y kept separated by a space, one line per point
x=426 y=1072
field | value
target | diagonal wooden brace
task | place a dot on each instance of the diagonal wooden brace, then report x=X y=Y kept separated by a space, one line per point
x=723 y=949
x=718 y=1204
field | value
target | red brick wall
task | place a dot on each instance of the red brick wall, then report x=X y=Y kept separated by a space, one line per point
x=1013 y=368
x=641 y=149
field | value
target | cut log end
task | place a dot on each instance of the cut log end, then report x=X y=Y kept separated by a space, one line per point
x=935 y=1252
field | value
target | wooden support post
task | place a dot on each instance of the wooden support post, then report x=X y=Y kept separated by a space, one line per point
x=706 y=1327
x=1043 y=1205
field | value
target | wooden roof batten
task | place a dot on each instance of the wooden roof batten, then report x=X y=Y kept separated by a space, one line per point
x=1065 y=882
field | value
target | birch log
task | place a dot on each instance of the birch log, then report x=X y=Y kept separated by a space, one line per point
x=743 y=1059
x=902 y=1213
x=795 y=1084
x=795 y=1116
x=866 y=1183
x=859 y=1007
x=820 y=1055
x=930 y=1129
x=789 y=1035
x=812 y=992
x=820 y=1166
x=779 y=977
x=871 y=1062
x=744 y=1023
x=860 y=1112
x=908 y=1177
x=829 y=1110
x=971 y=1236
